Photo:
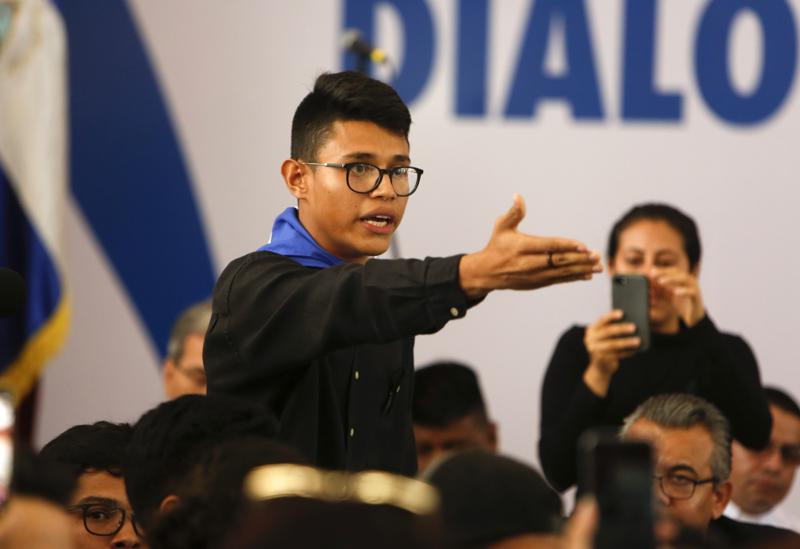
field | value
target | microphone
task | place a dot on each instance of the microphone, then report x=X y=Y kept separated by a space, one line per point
x=13 y=292
x=353 y=41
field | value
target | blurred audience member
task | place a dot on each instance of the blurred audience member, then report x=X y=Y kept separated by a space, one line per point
x=34 y=516
x=306 y=508
x=692 y=447
x=95 y=454
x=495 y=502
x=183 y=368
x=39 y=477
x=761 y=480
x=449 y=413
x=168 y=439
x=595 y=377
x=211 y=497
x=34 y=523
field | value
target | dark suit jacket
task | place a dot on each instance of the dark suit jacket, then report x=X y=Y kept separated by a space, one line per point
x=726 y=532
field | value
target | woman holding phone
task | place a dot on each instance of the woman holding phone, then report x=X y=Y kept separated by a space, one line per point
x=596 y=377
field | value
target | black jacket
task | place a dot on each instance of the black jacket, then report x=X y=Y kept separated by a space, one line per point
x=330 y=351
x=732 y=534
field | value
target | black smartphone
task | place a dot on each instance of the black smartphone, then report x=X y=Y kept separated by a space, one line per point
x=631 y=294
x=619 y=474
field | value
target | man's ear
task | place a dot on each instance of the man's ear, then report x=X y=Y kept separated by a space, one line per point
x=696 y=270
x=493 y=436
x=168 y=373
x=168 y=504
x=721 y=496
x=292 y=172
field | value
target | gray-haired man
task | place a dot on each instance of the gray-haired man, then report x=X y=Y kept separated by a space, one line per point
x=183 y=368
x=692 y=449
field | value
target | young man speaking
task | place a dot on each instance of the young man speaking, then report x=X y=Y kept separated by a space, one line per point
x=323 y=335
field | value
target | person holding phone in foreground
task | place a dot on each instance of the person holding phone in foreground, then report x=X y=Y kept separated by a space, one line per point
x=596 y=377
x=323 y=335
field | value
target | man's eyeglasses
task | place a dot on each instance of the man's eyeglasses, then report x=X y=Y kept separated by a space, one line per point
x=104 y=520
x=363 y=178
x=678 y=486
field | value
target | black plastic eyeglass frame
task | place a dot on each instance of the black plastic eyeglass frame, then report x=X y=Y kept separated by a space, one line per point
x=84 y=509
x=694 y=482
x=381 y=172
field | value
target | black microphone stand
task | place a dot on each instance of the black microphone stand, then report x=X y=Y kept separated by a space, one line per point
x=362 y=61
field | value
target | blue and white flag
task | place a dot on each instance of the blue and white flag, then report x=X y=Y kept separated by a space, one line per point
x=33 y=186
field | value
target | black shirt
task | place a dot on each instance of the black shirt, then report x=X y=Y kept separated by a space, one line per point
x=330 y=351
x=699 y=360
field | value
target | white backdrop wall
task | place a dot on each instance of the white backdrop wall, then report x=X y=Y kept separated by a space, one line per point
x=233 y=72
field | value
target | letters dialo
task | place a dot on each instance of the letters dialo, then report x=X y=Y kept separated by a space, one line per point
x=577 y=85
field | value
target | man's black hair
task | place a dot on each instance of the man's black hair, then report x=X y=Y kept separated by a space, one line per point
x=445 y=392
x=487 y=498
x=99 y=446
x=39 y=477
x=211 y=499
x=168 y=437
x=345 y=96
x=672 y=216
x=306 y=523
x=782 y=400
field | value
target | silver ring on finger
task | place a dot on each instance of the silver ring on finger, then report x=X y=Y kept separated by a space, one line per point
x=550 y=262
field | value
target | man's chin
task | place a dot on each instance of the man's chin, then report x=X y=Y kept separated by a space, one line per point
x=766 y=500
x=378 y=247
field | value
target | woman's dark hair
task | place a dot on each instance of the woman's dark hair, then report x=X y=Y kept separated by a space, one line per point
x=345 y=95
x=670 y=215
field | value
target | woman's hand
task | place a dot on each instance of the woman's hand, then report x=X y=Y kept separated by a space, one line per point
x=581 y=527
x=607 y=341
x=684 y=292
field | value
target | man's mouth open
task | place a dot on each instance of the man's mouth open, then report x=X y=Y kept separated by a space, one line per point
x=381 y=224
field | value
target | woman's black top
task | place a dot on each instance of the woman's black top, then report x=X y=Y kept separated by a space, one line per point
x=699 y=360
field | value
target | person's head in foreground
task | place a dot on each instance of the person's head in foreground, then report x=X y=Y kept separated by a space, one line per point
x=449 y=412
x=350 y=167
x=211 y=497
x=95 y=455
x=762 y=479
x=662 y=243
x=692 y=449
x=493 y=501
x=183 y=372
x=296 y=507
x=168 y=440
x=34 y=515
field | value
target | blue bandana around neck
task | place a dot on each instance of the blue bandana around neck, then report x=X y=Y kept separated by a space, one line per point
x=291 y=239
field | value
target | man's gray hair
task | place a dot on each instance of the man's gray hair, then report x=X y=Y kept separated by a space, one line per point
x=193 y=320
x=683 y=411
